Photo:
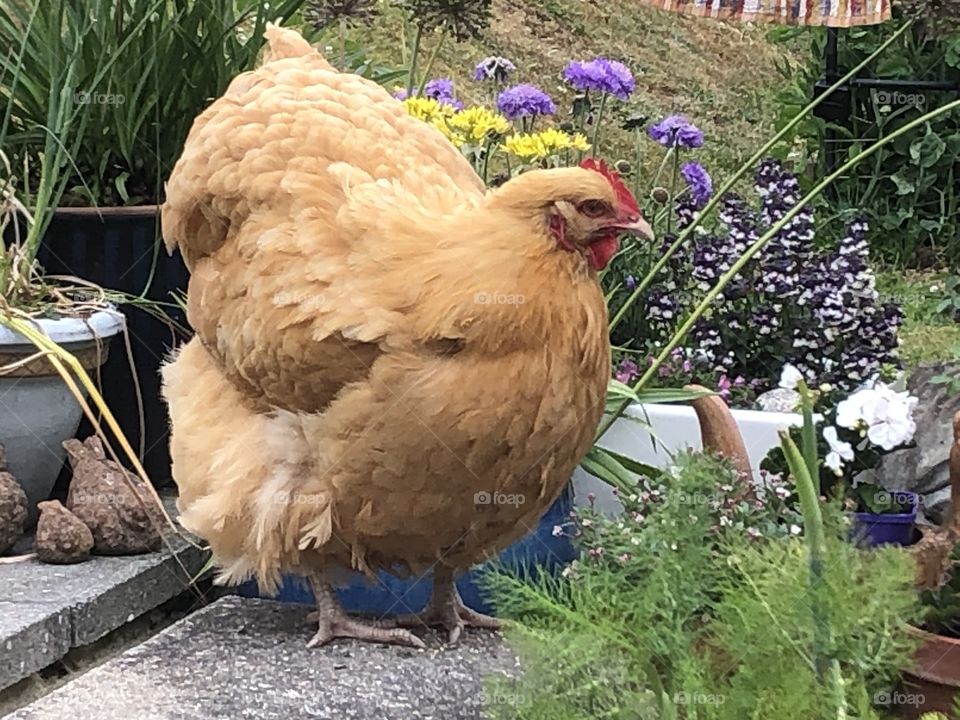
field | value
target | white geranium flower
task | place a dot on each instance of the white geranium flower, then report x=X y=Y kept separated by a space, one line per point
x=790 y=377
x=887 y=415
x=850 y=411
x=840 y=451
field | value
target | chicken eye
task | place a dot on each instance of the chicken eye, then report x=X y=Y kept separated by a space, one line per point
x=594 y=208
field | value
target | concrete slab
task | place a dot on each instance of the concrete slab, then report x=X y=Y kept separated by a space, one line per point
x=45 y=610
x=247 y=658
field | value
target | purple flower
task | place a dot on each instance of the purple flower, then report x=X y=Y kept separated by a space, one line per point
x=525 y=101
x=401 y=95
x=493 y=68
x=627 y=370
x=441 y=90
x=724 y=385
x=677 y=131
x=603 y=75
x=631 y=282
x=699 y=182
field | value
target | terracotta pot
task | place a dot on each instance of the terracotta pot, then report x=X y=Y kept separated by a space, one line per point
x=933 y=682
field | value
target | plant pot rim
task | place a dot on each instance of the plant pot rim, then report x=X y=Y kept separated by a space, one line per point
x=65 y=330
x=893 y=518
x=937 y=646
x=109 y=211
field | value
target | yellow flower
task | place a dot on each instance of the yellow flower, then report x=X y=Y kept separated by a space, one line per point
x=436 y=114
x=479 y=124
x=544 y=144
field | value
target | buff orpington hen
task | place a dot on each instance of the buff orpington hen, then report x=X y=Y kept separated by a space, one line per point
x=393 y=369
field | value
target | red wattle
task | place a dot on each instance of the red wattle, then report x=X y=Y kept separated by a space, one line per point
x=600 y=252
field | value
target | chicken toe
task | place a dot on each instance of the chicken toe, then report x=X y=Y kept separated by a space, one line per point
x=334 y=623
x=446 y=610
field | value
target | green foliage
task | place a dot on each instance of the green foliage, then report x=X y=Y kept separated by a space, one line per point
x=949 y=307
x=910 y=190
x=663 y=624
x=131 y=75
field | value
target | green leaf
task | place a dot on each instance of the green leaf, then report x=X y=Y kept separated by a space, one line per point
x=905 y=185
x=952 y=54
x=120 y=183
x=602 y=465
x=659 y=396
x=927 y=151
x=634 y=466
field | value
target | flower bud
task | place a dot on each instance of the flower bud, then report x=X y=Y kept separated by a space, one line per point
x=660 y=195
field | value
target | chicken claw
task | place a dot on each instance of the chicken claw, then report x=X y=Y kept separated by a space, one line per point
x=446 y=610
x=334 y=623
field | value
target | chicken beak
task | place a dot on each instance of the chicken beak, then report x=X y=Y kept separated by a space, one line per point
x=637 y=226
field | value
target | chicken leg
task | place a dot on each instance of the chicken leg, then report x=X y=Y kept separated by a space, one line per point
x=445 y=609
x=334 y=623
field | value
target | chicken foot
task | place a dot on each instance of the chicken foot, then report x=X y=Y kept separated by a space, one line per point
x=334 y=623
x=445 y=609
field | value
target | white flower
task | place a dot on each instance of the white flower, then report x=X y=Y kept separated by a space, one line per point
x=795 y=529
x=839 y=450
x=887 y=415
x=790 y=377
x=850 y=411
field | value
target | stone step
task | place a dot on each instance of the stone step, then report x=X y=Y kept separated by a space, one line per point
x=48 y=610
x=241 y=657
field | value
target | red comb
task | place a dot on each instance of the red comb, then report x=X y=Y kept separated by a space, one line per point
x=624 y=196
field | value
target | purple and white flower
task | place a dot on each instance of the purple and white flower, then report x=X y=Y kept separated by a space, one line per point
x=494 y=68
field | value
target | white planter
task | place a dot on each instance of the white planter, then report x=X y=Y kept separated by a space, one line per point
x=674 y=428
x=38 y=411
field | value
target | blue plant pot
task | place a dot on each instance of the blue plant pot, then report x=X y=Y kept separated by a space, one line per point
x=538 y=552
x=872 y=530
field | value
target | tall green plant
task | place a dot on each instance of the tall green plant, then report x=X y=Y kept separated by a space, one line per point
x=115 y=85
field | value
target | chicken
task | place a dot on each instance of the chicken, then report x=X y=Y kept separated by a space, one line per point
x=393 y=369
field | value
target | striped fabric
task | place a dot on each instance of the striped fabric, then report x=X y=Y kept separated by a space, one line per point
x=834 y=13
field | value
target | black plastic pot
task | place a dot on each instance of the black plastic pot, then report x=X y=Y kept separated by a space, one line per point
x=120 y=249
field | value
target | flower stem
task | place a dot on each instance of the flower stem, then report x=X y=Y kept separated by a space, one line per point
x=343 y=44
x=487 y=151
x=584 y=109
x=744 y=169
x=596 y=124
x=637 y=158
x=431 y=61
x=412 y=74
x=688 y=324
x=673 y=189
